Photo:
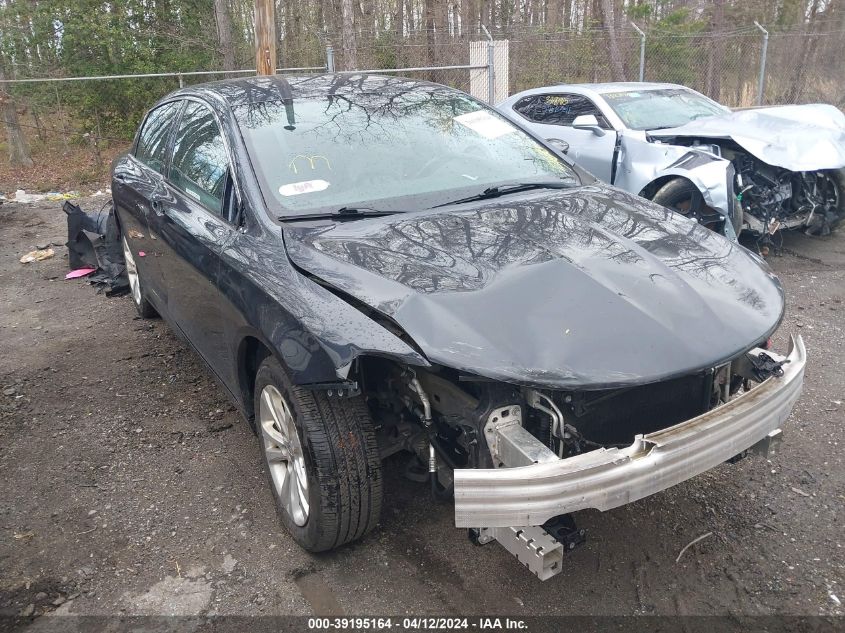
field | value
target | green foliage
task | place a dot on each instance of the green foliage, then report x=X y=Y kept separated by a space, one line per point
x=90 y=38
x=384 y=55
x=673 y=57
x=640 y=11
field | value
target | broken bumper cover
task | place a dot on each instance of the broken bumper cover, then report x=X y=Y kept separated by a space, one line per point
x=607 y=478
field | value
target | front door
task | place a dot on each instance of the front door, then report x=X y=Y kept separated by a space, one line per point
x=551 y=116
x=187 y=219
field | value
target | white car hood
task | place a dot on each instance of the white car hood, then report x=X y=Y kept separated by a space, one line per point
x=797 y=138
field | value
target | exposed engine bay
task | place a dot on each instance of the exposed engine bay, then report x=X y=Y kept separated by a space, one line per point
x=452 y=424
x=441 y=416
x=773 y=198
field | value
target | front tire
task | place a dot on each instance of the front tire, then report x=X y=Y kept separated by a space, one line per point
x=683 y=197
x=322 y=460
x=837 y=178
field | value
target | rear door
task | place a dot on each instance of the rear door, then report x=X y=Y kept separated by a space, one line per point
x=187 y=218
x=551 y=116
x=137 y=179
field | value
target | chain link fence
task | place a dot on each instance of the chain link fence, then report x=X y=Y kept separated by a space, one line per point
x=800 y=67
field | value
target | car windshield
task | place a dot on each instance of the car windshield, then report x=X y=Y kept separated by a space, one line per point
x=665 y=108
x=390 y=150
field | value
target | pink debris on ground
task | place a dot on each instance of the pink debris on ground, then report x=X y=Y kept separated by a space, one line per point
x=79 y=272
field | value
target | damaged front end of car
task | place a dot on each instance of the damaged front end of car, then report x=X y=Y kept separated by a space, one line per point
x=787 y=165
x=519 y=460
x=582 y=349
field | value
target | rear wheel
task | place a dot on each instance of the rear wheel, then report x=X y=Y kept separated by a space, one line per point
x=144 y=307
x=322 y=460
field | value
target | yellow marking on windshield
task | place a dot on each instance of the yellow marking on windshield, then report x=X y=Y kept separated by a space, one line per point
x=312 y=160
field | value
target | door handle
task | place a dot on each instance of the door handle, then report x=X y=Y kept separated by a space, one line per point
x=120 y=177
x=156 y=206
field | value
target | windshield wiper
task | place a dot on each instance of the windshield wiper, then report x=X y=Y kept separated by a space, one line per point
x=503 y=190
x=342 y=214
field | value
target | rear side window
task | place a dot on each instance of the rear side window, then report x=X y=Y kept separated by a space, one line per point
x=558 y=109
x=152 y=142
x=200 y=166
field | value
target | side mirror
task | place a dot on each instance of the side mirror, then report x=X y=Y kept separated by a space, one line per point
x=588 y=122
x=559 y=144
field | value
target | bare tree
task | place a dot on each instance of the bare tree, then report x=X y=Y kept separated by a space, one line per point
x=608 y=15
x=18 y=149
x=806 y=52
x=224 y=33
x=715 y=52
x=429 y=32
x=347 y=35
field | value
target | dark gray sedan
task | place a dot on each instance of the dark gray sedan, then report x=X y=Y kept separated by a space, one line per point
x=373 y=266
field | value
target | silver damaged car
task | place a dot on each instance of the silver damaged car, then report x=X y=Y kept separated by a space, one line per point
x=759 y=170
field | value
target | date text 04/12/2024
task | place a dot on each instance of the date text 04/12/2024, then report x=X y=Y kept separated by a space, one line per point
x=417 y=624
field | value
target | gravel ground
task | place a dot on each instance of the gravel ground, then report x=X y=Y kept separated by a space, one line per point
x=132 y=486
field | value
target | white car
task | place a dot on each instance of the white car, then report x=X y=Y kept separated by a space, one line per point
x=760 y=169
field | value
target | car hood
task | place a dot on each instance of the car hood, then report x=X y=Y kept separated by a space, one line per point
x=798 y=138
x=590 y=287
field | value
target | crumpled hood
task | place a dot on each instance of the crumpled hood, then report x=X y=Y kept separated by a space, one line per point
x=798 y=138
x=588 y=288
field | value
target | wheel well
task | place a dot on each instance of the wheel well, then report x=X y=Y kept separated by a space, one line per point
x=250 y=354
x=654 y=186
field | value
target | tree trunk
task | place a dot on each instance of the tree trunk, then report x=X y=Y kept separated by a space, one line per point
x=18 y=149
x=469 y=17
x=715 y=52
x=617 y=70
x=400 y=20
x=347 y=35
x=429 y=35
x=224 y=34
x=807 y=50
x=553 y=14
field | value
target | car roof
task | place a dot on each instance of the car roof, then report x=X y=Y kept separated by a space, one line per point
x=250 y=90
x=621 y=86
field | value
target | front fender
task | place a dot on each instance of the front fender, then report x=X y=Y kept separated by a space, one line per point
x=642 y=163
x=314 y=333
x=712 y=176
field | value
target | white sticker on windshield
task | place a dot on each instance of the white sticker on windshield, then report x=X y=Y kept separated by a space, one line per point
x=305 y=186
x=485 y=124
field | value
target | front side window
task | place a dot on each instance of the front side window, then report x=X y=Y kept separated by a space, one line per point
x=403 y=147
x=664 y=108
x=558 y=109
x=200 y=166
x=152 y=142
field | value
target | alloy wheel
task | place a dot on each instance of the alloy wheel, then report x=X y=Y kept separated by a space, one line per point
x=132 y=273
x=284 y=455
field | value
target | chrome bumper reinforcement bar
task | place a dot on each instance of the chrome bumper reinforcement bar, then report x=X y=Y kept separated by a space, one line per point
x=607 y=478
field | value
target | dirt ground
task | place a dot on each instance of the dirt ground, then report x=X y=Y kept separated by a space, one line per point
x=131 y=486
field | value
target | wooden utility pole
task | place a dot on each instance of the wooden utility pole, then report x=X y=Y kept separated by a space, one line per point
x=265 y=37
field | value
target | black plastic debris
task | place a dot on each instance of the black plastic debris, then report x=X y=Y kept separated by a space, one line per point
x=763 y=366
x=93 y=240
